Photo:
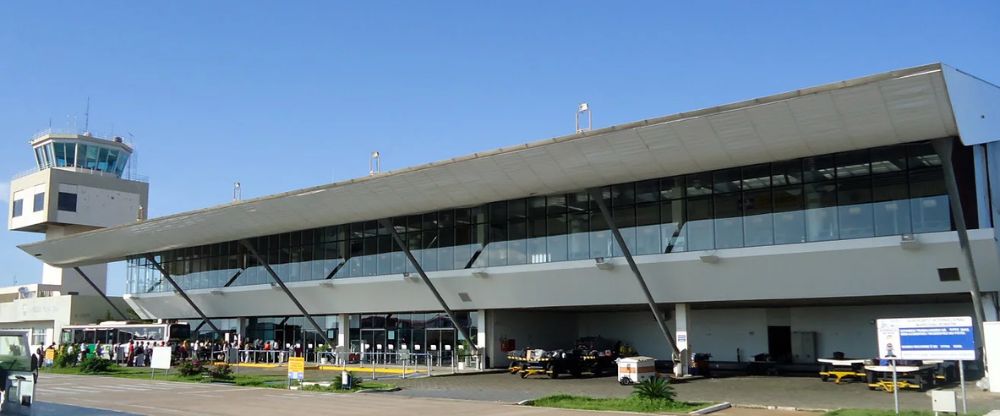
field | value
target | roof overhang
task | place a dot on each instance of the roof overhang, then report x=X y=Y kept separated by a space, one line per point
x=895 y=107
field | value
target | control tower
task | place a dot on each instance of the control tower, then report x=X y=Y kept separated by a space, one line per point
x=79 y=184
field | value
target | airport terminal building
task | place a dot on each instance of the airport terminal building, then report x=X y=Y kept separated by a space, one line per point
x=783 y=225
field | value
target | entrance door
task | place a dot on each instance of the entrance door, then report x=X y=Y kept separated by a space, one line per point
x=779 y=343
x=373 y=345
x=441 y=345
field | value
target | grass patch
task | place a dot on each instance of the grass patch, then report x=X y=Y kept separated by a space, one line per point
x=335 y=387
x=278 y=381
x=631 y=404
x=883 y=412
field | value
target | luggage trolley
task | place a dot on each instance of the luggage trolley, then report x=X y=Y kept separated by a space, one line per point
x=842 y=368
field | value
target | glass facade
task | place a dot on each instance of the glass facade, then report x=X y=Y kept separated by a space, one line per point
x=859 y=194
x=81 y=155
x=368 y=334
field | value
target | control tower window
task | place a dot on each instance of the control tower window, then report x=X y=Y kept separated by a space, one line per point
x=17 y=209
x=39 y=202
x=67 y=201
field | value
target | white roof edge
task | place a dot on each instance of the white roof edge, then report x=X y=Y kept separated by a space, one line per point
x=895 y=74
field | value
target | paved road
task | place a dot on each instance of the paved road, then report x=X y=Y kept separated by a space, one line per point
x=797 y=392
x=57 y=393
x=71 y=395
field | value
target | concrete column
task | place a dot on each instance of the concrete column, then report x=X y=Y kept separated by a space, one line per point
x=990 y=307
x=343 y=329
x=681 y=312
x=482 y=339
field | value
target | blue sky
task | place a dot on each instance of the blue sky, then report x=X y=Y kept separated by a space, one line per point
x=283 y=95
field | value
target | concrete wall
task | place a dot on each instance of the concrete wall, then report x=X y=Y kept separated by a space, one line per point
x=638 y=329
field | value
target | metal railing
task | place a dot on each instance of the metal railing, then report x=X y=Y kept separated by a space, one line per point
x=126 y=174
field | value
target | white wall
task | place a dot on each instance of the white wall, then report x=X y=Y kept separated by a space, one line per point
x=639 y=329
x=99 y=207
x=851 y=329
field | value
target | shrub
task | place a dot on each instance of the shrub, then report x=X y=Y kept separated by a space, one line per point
x=654 y=389
x=221 y=372
x=94 y=365
x=191 y=368
x=64 y=359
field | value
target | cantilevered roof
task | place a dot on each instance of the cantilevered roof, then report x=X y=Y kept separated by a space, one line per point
x=894 y=107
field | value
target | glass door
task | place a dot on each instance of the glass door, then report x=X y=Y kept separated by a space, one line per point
x=441 y=346
x=373 y=345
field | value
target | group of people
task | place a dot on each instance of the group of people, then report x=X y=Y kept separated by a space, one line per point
x=260 y=351
x=132 y=354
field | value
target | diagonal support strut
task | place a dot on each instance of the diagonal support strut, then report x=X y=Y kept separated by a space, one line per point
x=943 y=147
x=267 y=266
x=180 y=291
x=596 y=195
x=100 y=292
x=423 y=276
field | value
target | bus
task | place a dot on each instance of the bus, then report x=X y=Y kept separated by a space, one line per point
x=120 y=332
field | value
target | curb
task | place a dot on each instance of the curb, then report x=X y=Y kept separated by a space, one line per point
x=711 y=409
x=787 y=408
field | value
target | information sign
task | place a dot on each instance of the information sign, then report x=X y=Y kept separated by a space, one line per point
x=161 y=358
x=939 y=338
x=296 y=368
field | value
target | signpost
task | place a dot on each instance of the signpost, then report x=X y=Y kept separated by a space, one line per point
x=159 y=360
x=939 y=338
x=296 y=369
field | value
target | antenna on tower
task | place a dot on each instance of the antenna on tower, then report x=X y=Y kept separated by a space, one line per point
x=375 y=164
x=86 y=116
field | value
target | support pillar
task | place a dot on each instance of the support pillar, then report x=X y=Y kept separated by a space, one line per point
x=423 y=276
x=482 y=338
x=163 y=272
x=267 y=266
x=343 y=329
x=101 y=292
x=597 y=196
x=943 y=147
x=681 y=313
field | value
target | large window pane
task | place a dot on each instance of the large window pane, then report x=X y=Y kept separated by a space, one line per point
x=728 y=220
x=757 y=220
x=821 y=211
x=517 y=247
x=624 y=217
x=888 y=159
x=818 y=168
x=727 y=180
x=556 y=229
x=672 y=218
x=579 y=237
x=672 y=188
x=854 y=210
x=60 y=151
x=699 y=184
x=853 y=164
x=647 y=191
x=787 y=172
x=891 y=209
x=929 y=208
x=757 y=176
x=647 y=231
x=600 y=236
x=699 y=229
x=789 y=217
